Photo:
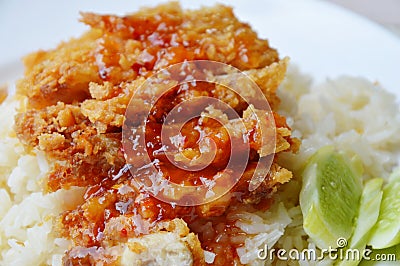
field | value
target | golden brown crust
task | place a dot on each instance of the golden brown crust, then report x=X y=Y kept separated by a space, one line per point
x=3 y=93
x=114 y=50
x=62 y=74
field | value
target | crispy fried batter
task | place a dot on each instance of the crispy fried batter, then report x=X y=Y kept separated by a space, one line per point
x=162 y=243
x=118 y=49
x=65 y=134
x=78 y=94
x=63 y=74
x=3 y=93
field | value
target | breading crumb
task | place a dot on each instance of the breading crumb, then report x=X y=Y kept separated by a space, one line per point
x=3 y=93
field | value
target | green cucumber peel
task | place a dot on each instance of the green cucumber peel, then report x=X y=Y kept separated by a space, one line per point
x=367 y=217
x=386 y=232
x=330 y=196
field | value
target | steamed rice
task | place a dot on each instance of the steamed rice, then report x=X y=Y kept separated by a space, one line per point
x=353 y=114
x=350 y=113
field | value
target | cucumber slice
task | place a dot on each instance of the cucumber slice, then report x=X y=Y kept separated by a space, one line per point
x=367 y=216
x=330 y=196
x=370 y=203
x=386 y=232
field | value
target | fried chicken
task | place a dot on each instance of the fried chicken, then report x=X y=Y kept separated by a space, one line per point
x=78 y=98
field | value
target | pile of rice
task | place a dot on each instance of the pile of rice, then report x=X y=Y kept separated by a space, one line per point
x=352 y=114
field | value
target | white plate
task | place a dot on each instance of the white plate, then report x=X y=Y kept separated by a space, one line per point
x=323 y=39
